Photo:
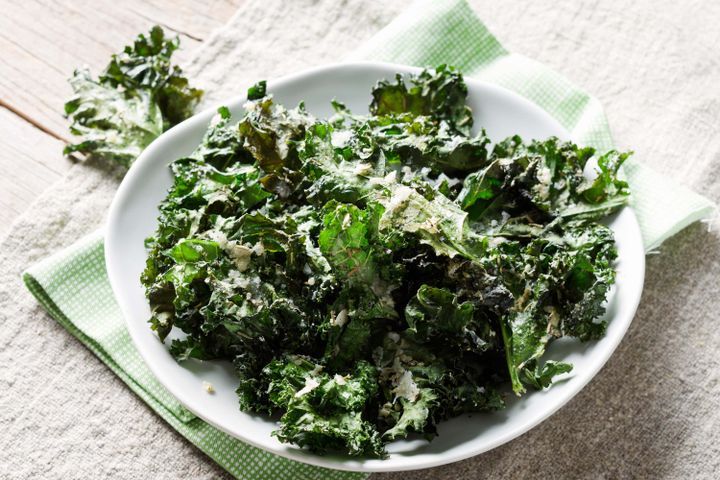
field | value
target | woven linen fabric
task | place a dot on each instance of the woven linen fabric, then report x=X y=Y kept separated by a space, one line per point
x=429 y=33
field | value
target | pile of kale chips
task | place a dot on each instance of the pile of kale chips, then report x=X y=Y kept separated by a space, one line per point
x=372 y=275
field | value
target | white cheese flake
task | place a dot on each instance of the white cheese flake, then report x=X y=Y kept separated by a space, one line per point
x=218 y=237
x=407 y=174
x=238 y=252
x=240 y=255
x=400 y=196
x=395 y=337
x=162 y=317
x=340 y=138
x=406 y=387
x=362 y=169
x=208 y=387
x=310 y=385
x=340 y=319
x=259 y=249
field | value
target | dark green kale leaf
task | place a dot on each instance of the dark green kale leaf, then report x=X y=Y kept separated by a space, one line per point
x=417 y=142
x=437 y=310
x=269 y=130
x=437 y=222
x=327 y=173
x=351 y=243
x=146 y=66
x=138 y=96
x=439 y=94
x=322 y=411
x=436 y=315
x=112 y=124
x=413 y=415
x=425 y=383
x=560 y=281
x=345 y=240
x=543 y=181
x=541 y=378
x=257 y=91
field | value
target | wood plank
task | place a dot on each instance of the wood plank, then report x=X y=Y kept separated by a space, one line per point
x=30 y=160
x=43 y=41
x=195 y=19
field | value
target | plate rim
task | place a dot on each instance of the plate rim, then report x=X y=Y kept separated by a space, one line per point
x=359 y=464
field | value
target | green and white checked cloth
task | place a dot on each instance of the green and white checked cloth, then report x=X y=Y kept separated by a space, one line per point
x=72 y=285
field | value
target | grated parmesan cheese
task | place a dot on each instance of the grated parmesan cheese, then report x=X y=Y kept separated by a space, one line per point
x=407 y=388
x=310 y=385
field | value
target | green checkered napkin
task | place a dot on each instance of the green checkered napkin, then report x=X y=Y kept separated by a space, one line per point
x=72 y=285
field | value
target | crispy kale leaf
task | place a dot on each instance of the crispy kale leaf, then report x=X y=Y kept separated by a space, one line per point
x=323 y=411
x=112 y=125
x=370 y=276
x=545 y=180
x=438 y=94
x=560 y=280
x=138 y=96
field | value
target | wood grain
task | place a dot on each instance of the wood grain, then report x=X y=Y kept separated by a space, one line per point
x=42 y=42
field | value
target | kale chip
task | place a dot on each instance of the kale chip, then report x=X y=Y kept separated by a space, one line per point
x=139 y=95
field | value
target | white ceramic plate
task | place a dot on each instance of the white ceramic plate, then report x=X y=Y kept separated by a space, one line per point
x=502 y=113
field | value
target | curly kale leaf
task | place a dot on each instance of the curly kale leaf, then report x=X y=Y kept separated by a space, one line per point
x=322 y=411
x=112 y=124
x=542 y=377
x=350 y=241
x=413 y=416
x=437 y=222
x=222 y=145
x=146 y=66
x=439 y=94
x=138 y=96
x=436 y=314
x=561 y=282
x=257 y=91
x=418 y=142
x=344 y=241
x=425 y=383
x=543 y=181
x=269 y=130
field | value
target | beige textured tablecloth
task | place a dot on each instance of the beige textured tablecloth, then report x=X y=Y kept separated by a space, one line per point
x=653 y=411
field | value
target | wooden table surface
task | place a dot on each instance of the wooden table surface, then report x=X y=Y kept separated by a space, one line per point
x=41 y=42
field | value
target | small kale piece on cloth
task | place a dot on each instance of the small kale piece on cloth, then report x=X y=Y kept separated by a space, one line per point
x=370 y=276
x=139 y=95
